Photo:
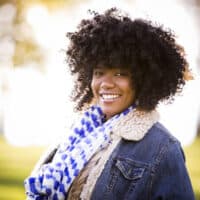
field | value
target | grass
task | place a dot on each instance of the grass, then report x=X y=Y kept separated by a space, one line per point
x=192 y=154
x=17 y=162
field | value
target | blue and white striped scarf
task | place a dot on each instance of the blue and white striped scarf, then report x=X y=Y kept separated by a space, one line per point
x=90 y=134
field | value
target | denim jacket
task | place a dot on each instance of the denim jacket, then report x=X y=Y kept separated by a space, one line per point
x=147 y=163
x=150 y=169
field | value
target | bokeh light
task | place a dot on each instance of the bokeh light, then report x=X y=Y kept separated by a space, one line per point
x=38 y=109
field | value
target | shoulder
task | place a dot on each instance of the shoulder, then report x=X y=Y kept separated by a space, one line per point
x=160 y=134
x=157 y=135
x=157 y=142
x=45 y=158
x=163 y=143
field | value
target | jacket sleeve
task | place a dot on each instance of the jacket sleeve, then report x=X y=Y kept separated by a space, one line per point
x=170 y=177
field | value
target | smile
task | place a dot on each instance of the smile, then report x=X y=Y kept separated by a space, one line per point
x=110 y=96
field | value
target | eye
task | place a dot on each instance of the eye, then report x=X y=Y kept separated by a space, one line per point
x=122 y=74
x=97 y=73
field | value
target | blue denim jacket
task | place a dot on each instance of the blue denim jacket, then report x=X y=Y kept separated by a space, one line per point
x=151 y=169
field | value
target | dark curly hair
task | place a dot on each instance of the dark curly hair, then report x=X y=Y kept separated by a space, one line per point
x=113 y=39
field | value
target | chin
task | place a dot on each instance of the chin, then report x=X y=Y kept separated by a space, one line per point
x=110 y=114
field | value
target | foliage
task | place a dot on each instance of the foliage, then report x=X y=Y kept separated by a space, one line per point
x=21 y=34
x=26 y=48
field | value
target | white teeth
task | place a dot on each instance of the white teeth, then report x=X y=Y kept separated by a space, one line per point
x=110 y=96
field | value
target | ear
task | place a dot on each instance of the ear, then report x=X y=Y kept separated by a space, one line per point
x=94 y=101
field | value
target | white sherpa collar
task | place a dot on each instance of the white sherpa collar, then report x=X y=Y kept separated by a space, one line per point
x=135 y=124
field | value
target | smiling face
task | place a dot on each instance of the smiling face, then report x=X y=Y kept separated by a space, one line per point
x=112 y=89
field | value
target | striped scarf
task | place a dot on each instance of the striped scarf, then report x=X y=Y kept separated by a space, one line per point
x=90 y=134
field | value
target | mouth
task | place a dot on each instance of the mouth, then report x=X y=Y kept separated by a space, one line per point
x=109 y=97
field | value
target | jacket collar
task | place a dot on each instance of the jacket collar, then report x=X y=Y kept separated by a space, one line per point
x=135 y=124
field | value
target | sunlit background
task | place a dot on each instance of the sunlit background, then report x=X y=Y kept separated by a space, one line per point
x=35 y=108
x=35 y=84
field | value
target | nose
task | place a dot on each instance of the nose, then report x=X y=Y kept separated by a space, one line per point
x=107 y=82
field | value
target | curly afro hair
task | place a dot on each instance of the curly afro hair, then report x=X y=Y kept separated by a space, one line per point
x=113 y=39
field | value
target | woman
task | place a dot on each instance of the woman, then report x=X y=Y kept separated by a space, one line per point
x=118 y=149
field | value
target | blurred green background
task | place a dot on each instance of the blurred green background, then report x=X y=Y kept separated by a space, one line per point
x=16 y=164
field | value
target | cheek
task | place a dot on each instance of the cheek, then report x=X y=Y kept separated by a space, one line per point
x=130 y=90
x=126 y=85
